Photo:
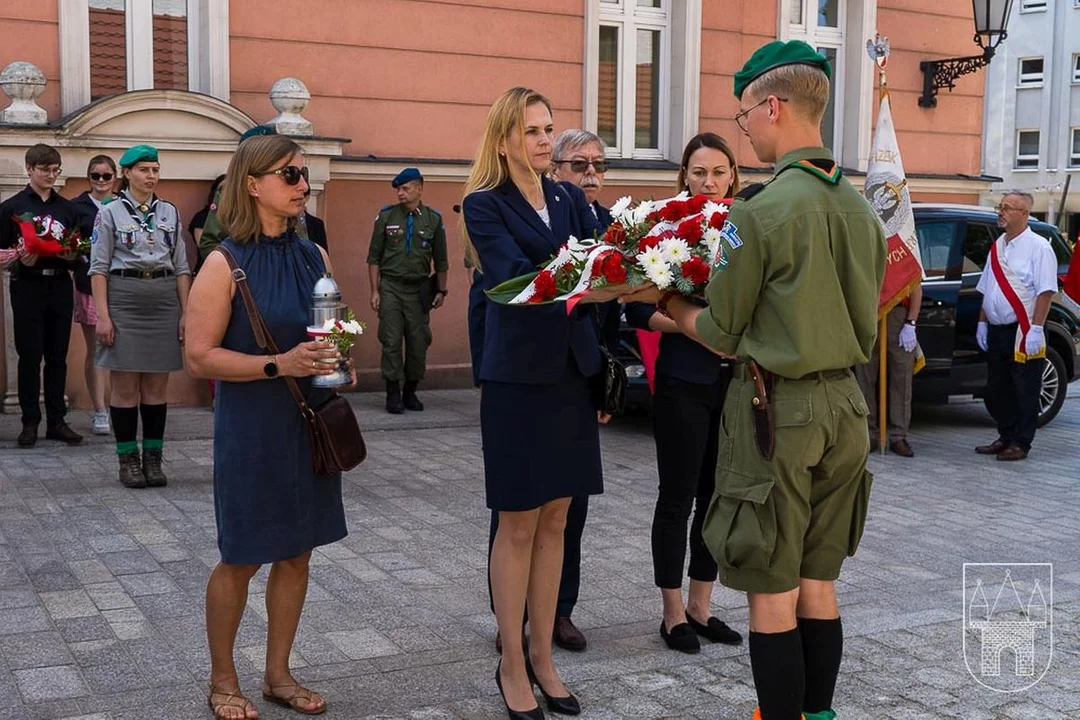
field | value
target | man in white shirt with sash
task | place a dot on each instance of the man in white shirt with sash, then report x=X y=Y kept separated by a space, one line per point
x=1017 y=284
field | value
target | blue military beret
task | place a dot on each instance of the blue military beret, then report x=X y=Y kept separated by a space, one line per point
x=137 y=154
x=777 y=54
x=406 y=175
x=256 y=131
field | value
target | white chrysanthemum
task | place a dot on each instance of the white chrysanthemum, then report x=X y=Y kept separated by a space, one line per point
x=618 y=210
x=675 y=251
x=712 y=207
x=642 y=211
x=660 y=276
x=711 y=239
x=562 y=258
x=651 y=258
x=353 y=327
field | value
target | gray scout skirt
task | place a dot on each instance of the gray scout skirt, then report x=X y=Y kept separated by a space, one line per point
x=146 y=317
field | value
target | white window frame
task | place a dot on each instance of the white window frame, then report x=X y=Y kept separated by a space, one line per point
x=1074 y=156
x=208 y=49
x=629 y=18
x=1018 y=158
x=834 y=39
x=1076 y=66
x=1030 y=80
x=1033 y=6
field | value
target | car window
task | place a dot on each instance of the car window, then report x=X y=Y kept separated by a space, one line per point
x=1061 y=250
x=935 y=245
x=977 y=241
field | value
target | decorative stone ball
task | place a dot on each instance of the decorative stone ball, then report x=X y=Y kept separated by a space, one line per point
x=23 y=81
x=289 y=96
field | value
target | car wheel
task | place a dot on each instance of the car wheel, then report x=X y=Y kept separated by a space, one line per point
x=1055 y=385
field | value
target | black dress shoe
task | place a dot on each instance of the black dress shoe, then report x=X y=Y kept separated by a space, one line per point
x=567 y=636
x=682 y=638
x=63 y=433
x=568 y=705
x=715 y=631
x=993 y=448
x=28 y=437
x=535 y=714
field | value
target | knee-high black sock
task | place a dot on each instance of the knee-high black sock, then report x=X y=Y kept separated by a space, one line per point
x=823 y=648
x=777 y=662
x=125 y=422
x=153 y=418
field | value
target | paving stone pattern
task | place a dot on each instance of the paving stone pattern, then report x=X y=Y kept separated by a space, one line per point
x=102 y=588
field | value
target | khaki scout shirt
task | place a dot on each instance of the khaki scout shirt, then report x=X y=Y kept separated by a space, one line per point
x=388 y=243
x=806 y=263
x=148 y=241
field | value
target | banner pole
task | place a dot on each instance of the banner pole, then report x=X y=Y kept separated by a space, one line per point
x=883 y=389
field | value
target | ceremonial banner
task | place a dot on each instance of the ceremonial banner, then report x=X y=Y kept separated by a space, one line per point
x=887 y=191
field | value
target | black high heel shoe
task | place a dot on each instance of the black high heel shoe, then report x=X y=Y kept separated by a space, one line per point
x=535 y=714
x=568 y=705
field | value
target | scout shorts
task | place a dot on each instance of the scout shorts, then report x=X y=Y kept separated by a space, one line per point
x=800 y=514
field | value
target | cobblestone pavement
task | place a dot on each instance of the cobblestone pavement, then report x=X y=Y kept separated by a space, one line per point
x=101 y=588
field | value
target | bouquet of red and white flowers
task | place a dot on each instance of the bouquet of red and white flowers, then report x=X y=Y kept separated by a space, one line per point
x=48 y=237
x=674 y=244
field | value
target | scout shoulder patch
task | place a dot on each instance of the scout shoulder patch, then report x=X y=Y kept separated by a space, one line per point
x=826 y=170
x=730 y=232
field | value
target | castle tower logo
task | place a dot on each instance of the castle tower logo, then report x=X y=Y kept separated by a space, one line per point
x=1008 y=623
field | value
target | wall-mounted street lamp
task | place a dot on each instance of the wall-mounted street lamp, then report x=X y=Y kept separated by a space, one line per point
x=991 y=18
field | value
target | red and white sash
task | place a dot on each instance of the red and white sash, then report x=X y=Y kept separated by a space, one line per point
x=1019 y=297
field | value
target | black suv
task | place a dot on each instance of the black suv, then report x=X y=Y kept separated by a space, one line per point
x=954 y=241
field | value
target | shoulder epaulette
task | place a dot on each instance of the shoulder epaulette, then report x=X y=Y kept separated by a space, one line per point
x=384 y=208
x=434 y=210
x=821 y=168
x=750 y=191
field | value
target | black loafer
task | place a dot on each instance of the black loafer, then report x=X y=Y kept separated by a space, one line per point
x=715 y=631
x=682 y=638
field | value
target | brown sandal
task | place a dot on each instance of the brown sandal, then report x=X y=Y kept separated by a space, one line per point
x=300 y=697
x=233 y=699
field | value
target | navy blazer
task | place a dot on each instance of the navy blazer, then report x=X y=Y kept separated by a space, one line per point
x=680 y=357
x=526 y=344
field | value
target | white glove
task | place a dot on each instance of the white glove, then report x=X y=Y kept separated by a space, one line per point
x=1035 y=340
x=980 y=335
x=907 y=338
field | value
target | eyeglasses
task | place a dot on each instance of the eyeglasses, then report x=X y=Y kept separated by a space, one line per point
x=101 y=177
x=291 y=174
x=742 y=116
x=581 y=166
x=1005 y=208
x=49 y=169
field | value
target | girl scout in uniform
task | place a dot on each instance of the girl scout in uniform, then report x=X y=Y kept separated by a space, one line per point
x=140 y=277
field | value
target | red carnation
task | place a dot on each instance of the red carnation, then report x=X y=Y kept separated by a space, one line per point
x=615 y=235
x=691 y=231
x=647 y=242
x=673 y=211
x=545 y=287
x=696 y=270
x=717 y=220
x=696 y=204
x=614 y=269
x=653 y=217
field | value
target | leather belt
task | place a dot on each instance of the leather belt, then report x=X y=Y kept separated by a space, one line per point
x=44 y=272
x=742 y=372
x=142 y=274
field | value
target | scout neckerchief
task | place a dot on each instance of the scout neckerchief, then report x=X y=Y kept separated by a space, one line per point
x=1019 y=297
x=142 y=214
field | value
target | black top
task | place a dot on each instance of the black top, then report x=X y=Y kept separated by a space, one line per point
x=316 y=231
x=88 y=211
x=680 y=357
x=198 y=221
x=28 y=201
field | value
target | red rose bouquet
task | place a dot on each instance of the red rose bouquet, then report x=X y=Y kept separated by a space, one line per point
x=675 y=244
x=48 y=237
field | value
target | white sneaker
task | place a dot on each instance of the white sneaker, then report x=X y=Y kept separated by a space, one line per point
x=101 y=423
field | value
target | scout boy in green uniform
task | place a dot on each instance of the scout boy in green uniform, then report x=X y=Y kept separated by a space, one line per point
x=408 y=237
x=797 y=306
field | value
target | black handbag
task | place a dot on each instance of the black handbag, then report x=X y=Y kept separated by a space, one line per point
x=428 y=290
x=609 y=385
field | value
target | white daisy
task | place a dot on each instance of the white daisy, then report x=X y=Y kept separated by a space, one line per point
x=675 y=251
x=618 y=210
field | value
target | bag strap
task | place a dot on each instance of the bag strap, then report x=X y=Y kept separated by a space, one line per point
x=263 y=338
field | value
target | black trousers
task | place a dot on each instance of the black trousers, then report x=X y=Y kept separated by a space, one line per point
x=41 y=308
x=1012 y=388
x=686 y=426
x=570 y=583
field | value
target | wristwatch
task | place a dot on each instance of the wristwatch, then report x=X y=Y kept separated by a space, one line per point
x=270 y=369
x=910 y=322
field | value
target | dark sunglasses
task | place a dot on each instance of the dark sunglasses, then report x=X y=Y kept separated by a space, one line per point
x=291 y=174
x=98 y=177
x=580 y=166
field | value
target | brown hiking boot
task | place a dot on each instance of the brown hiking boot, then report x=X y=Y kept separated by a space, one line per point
x=151 y=469
x=131 y=474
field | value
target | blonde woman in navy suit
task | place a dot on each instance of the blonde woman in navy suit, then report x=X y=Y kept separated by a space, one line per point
x=536 y=408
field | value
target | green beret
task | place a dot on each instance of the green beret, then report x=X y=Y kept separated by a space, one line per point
x=256 y=131
x=777 y=54
x=138 y=154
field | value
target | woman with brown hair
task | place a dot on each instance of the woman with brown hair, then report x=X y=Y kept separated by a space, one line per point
x=270 y=505
x=691 y=384
x=534 y=369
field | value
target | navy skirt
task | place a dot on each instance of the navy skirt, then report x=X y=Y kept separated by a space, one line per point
x=541 y=442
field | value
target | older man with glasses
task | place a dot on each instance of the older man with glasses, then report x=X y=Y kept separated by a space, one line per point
x=1018 y=283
